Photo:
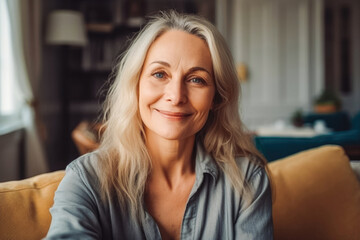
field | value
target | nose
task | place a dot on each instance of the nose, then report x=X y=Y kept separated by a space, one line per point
x=176 y=92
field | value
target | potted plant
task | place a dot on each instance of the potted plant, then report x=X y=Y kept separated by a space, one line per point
x=297 y=118
x=327 y=102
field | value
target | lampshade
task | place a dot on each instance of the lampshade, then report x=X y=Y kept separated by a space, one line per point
x=66 y=27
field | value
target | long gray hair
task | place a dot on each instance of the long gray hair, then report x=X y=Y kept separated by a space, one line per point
x=125 y=163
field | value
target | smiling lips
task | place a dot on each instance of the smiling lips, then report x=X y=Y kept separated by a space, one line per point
x=174 y=115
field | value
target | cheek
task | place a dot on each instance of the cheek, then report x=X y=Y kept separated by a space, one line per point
x=144 y=93
x=142 y=98
x=148 y=95
x=203 y=102
x=148 y=90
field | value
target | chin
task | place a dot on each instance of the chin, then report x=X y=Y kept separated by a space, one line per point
x=173 y=136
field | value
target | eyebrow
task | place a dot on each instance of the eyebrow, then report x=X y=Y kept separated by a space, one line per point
x=193 y=69
x=161 y=62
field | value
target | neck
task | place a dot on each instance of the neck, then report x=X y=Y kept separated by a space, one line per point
x=171 y=159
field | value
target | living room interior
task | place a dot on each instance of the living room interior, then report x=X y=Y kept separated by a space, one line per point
x=297 y=62
x=290 y=55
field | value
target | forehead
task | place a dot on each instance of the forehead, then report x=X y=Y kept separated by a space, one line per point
x=176 y=45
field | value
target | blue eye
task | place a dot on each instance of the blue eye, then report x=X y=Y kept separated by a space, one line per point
x=197 y=80
x=158 y=75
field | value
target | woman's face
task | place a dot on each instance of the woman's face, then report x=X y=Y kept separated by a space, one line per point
x=176 y=87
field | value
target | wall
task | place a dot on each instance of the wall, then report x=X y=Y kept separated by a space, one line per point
x=281 y=43
x=284 y=45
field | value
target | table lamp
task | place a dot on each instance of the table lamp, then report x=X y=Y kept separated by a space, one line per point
x=65 y=28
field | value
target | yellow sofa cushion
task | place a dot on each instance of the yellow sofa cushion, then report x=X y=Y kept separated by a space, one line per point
x=24 y=206
x=316 y=196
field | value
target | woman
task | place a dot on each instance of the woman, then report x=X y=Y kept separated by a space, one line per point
x=174 y=162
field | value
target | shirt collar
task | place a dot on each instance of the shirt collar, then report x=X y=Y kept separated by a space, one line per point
x=205 y=163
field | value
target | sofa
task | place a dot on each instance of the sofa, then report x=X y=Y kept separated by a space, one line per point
x=274 y=148
x=336 y=121
x=316 y=195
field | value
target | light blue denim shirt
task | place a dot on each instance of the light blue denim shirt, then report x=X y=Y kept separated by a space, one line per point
x=213 y=210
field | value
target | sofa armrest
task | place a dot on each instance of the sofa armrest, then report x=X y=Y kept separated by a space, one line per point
x=316 y=195
x=24 y=206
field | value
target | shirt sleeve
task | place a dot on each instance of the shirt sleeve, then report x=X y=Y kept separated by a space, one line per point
x=255 y=219
x=74 y=213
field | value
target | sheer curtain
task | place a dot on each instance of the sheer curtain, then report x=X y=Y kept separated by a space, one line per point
x=25 y=35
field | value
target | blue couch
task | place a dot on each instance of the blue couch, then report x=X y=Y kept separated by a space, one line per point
x=274 y=148
x=337 y=121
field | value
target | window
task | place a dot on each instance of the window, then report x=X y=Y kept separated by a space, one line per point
x=10 y=101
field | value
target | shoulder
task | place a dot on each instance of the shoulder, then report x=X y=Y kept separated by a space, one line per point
x=77 y=201
x=250 y=167
x=86 y=168
x=254 y=214
x=87 y=163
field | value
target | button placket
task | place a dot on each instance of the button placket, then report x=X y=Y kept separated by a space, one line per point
x=188 y=225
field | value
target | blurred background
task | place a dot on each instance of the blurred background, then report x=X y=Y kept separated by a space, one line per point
x=297 y=60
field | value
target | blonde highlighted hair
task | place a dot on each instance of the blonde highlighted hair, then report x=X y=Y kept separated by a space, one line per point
x=125 y=163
